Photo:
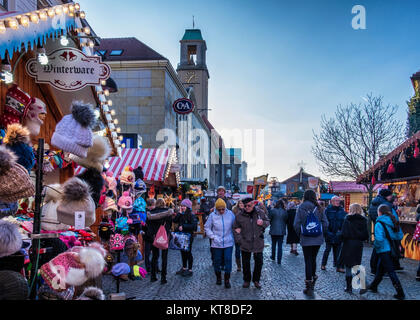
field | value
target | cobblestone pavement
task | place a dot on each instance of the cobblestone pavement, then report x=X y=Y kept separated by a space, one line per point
x=279 y=282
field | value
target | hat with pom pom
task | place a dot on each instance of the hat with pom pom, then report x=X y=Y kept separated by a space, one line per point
x=16 y=106
x=10 y=239
x=73 y=133
x=96 y=155
x=125 y=201
x=76 y=197
x=127 y=177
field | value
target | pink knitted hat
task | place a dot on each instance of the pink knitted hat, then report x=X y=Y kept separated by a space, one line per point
x=187 y=203
x=125 y=201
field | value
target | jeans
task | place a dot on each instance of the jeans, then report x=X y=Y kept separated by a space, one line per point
x=246 y=264
x=277 y=241
x=155 y=257
x=187 y=257
x=223 y=254
x=385 y=265
x=374 y=262
x=237 y=251
x=336 y=253
x=310 y=253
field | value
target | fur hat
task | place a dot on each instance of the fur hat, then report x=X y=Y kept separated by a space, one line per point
x=76 y=197
x=73 y=268
x=17 y=139
x=127 y=177
x=31 y=119
x=95 y=181
x=73 y=133
x=49 y=220
x=96 y=154
x=15 y=182
x=125 y=201
x=10 y=239
x=16 y=106
x=92 y=293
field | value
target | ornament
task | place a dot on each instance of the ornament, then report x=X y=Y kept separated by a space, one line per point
x=379 y=175
x=391 y=169
x=373 y=180
x=416 y=151
x=402 y=158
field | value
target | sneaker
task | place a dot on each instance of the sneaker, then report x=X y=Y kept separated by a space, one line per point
x=163 y=281
x=153 y=279
x=246 y=285
x=323 y=268
x=257 y=285
x=187 y=273
x=180 y=271
x=340 y=270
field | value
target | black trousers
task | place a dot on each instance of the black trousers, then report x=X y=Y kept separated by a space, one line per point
x=374 y=262
x=310 y=253
x=336 y=253
x=246 y=265
x=155 y=257
x=187 y=257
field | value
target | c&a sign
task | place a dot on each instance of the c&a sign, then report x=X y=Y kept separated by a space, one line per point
x=183 y=106
x=69 y=69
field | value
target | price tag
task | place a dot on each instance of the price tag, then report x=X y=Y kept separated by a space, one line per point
x=79 y=220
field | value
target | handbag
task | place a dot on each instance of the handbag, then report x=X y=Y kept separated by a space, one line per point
x=395 y=249
x=161 y=238
x=180 y=241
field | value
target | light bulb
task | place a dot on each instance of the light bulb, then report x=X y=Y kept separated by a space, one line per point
x=58 y=10
x=24 y=21
x=13 y=24
x=106 y=92
x=113 y=114
x=34 y=18
x=123 y=145
x=51 y=13
x=115 y=121
x=110 y=103
x=71 y=8
x=91 y=43
x=2 y=27
x=121 y=138
x=77 y=6
x=42 y=59
x=103 y=82
x=43 y=15
x=64 y=41
x=118 y=130
x=82 y=14
x=86 y=30
x=97 y=113
x=65 y=9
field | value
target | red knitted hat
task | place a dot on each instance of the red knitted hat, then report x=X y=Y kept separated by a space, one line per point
x=16 y=106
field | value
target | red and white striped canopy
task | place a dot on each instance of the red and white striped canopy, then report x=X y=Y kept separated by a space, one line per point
x=153 y=162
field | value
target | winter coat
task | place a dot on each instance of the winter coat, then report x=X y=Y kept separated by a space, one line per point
x=219 y=228
x=251 y=237
x=381 y=242
x=205 y=207
x=354 y=232
x=302 y=212
x=188 y=221
x=153 y=224
x=228 y=203
x=373 y=209
x=292 y=236
x=335 y=216
x=278 y=218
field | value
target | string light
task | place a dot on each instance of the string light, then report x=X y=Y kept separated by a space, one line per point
x=110 y=103
x=2 y=27
x=121 y=138
x=86 y=30
x=43 y=15
x=34 y=18
x=13 y=24
x=91 y=44
x=24 y=21
x=82 y=14
x=65 y=9
x=64 y=41
x=51 y=13
x=58 y=10
x=118 y=130
x=103 y=82
x=113 y=114
x=71 y=8
x=115 y=121
x=77 y=7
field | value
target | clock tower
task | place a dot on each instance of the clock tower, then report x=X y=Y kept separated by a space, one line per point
x=192 y=70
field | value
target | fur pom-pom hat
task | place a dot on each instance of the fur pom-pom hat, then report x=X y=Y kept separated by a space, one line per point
x=15 y=182
x=17 y=139
x=75 y=198
x=73 y=133
x=10 y=239
x=127 y=177
x=49 y=219
x=92 y=293
x=73 y=268
x=96 y=155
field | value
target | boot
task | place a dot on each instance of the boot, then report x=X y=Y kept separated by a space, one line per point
x=400 y=292
x=163 y=280
x=309 y=291
x=349 y=285
x=219 y=278
x=371 y=287
x=227 y=283
x=315 y=277
x=238 y=264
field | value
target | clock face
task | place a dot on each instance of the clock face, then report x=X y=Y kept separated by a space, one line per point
x=190 y=77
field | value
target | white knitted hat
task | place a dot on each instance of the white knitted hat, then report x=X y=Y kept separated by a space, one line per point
x=73 y=133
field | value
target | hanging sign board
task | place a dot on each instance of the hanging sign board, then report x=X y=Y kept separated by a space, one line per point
x=183 y=106
x=69 y=69
x=313 y=182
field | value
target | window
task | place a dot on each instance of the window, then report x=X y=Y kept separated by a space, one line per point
x=101 y=53
x=192 y=54
x=116 y=52
x=4 y=4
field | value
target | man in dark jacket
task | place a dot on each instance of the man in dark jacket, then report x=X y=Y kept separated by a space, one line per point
x=249 y=228
x=384 y=197
x=221 y=194
x=335 y=215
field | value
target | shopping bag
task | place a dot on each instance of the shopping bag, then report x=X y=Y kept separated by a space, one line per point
x=161 y=238
x=180 y=241
x=416 y=235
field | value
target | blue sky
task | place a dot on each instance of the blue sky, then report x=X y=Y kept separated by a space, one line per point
x=280 y=65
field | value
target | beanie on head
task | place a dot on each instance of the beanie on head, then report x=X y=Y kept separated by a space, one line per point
x=187 y=203
x=73 y=133
x=16 y=106
x=220 y=204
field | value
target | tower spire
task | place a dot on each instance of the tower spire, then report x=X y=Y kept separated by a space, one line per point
x=193 y=23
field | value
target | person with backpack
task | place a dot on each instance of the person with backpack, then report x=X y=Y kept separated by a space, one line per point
x=310 y=224
x=278 y=218
x=249 y=227
x=187 y=223
x=219 y=228
x=387 y=231
x=354 y=233
x=156 y=218
x=335 y=215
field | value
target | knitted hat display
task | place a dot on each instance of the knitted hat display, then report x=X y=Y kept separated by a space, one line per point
x=187 y=203
x=140 y=187
x=92 y=293
x=32 y=121
x=76 y=197
x=10 y=239
x=125 y=201
x=49 y=220
x=96 y=155
x=120 y=269
x=17 y=139
x=109 y=205
x=127 y=177
x=73 y=133
x=139 y=205
x=95 y=181
x=15 y=182
x=13 y=286
x=111 y=182
x=16 y=106
x=220 y=204
x=73 y=268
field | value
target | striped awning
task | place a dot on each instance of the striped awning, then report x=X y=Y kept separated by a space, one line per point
x=153 y=161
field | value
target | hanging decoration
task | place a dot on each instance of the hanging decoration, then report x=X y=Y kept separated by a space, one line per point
x=402 y=158
x=391 y=168
x=56 y=160
x=416 y=150
x=379 y=174
x=373 y=179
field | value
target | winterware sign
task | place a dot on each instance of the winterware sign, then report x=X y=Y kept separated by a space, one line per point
x=69 y=69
